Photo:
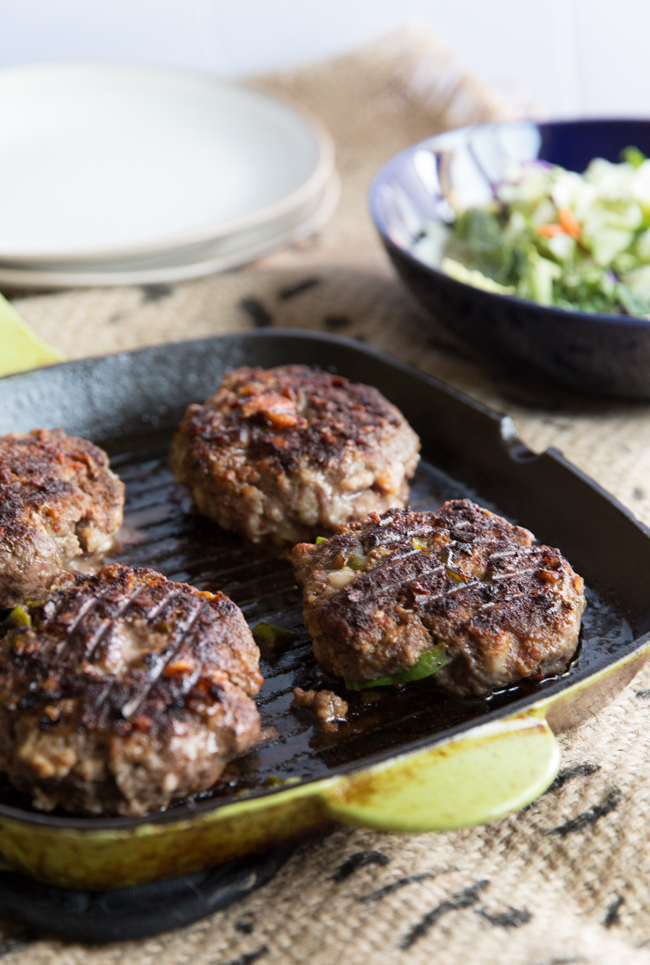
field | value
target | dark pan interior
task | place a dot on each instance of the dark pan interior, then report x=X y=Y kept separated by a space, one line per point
x=467 y=453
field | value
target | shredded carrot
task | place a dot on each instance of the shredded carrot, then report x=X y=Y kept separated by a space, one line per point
x=568 y=222
x=550 y=230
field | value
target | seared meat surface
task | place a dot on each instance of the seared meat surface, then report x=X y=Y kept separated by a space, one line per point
x=284 y=454
x=123 y=692
x=383 y=591
x=58 y=500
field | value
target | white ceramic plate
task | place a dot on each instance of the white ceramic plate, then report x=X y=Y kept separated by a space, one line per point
x=206 y=263
x=102 y=162
x=233 y=243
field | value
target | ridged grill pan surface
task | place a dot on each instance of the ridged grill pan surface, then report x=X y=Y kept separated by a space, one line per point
x=162 y=530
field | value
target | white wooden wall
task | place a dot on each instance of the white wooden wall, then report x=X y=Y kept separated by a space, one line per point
x=569 y=57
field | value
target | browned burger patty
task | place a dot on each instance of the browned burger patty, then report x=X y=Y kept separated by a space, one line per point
x=125 y=692
x=286 y=453
x=382 y=592
x=58 y=500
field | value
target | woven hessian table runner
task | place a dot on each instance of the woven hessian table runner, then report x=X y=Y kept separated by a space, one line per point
x=567 y=880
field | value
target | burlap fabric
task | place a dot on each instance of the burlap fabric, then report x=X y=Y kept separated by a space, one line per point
x=566 y=880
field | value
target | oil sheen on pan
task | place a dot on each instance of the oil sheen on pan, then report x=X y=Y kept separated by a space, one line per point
x=162 y=531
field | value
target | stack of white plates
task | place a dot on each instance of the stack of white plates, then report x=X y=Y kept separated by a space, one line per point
x=113 y=175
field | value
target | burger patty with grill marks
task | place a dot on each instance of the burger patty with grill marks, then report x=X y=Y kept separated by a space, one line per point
x=59 y=500
x=284 y=454
x=383 y=591
x=123 y=692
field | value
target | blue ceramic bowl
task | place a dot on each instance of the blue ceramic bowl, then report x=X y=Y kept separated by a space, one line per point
x=596 y=353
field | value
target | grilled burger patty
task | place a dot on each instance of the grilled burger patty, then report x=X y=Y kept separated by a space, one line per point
x=286 y=453
x=122 y=692
x=384 y=591
x=58 y=500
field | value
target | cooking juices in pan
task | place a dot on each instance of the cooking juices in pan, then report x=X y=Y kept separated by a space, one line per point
x=162 y=530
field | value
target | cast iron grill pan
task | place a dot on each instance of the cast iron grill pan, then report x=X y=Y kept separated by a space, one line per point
x=467 y=453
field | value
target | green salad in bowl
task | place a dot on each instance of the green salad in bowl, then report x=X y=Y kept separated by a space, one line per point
x=576 y=241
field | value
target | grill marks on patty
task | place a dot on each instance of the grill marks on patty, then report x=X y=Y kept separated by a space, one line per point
x=128 y=640
x=58 y=500
x=146 y=679
x=462 y=576
x=283 y=453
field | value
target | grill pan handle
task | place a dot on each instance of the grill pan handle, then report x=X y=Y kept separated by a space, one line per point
x=493 y=770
